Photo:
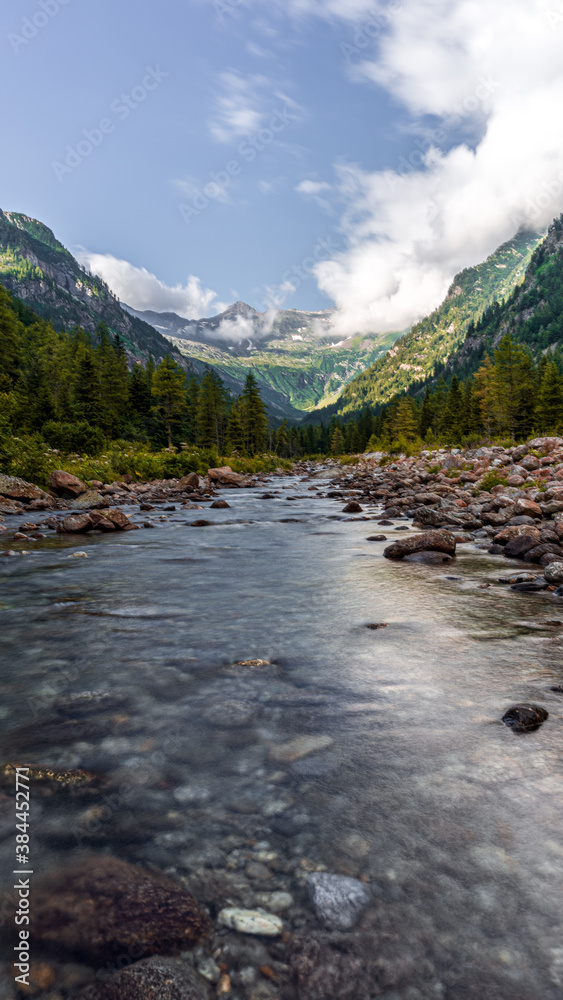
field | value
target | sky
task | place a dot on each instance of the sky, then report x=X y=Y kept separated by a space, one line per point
x=304 y=154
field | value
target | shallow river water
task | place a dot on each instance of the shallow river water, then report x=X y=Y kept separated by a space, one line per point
x=453 y=821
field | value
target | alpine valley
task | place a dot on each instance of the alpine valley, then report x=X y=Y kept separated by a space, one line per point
x=301 y=371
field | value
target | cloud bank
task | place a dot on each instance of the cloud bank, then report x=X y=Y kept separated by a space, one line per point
x=488 y=76
x=142 y=290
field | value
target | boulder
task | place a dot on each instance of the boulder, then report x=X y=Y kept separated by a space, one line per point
x=428 y=515
x=75 y=524
x=525 y=718
x=513 y=531
x=118 y=519
x=150 y=979
x=226 y=477
x=220 y=504
x=554 y=572
x=529 y=507
x=517 y=547
x=545 y=444
x=545 y=548
x=91 y=500
x=530 y=463
x=18 y=489
x=352 y=508
x=100 y=907
x=10 y=506
x=429 y=541
x=337 y=899
x=189 y=482
x=65 y=485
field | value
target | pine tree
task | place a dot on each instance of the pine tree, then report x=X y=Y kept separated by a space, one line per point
x=485 y=394
x=169 y=391
x=282 y=440
x=234 y=434
x=212 y=404
x=452 y=418
x=253 y=416
x=550 y=399
x=337 y=442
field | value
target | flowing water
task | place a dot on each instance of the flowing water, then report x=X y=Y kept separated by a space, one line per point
x=417 y=787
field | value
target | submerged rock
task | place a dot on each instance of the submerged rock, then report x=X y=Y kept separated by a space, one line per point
x=525 y=718
x=220 y=504
x=428 y=558
x=250 y=921
x=100 y=907
x=299 y=747
x=150 y=979
x=338 y=900
x=554 y=572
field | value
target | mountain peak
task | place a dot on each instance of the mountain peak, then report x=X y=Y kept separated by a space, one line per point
x=240 y=309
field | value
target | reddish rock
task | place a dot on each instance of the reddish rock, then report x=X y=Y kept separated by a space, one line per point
x=429 y=541
x=227 y=477
x=220 y=504
x=18 y=489
x=352 y=508
x=102 y=908
x=513 y=530
x=10 y=506
x=525 y=506
x=118 y=519
x=75 y=524
x=189 y=482
x=65 y=485
x=517 y=547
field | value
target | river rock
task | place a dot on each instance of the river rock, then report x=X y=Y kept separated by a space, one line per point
x=338 y=900
x=429 y=558
x=65 y=485
x=150 y=979
x=189 y=482
x=75 y=524
x=250 y=921
x=376 y=538
x=429 y=541
x=299 y=747
x=525 y=506
x=511 y=531
x=554 y=572
x=18 y=489
x=525 y=718
x=229 y=714
x=118 y=519
x=220 y=504
x=101 y=907
x=10 y=506
x=91 y=500
x=517 y=547
x=226 y=477
x=352 y=508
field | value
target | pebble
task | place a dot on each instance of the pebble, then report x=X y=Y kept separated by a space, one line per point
x=78 y=555
x=299 y=747
x=250 y=921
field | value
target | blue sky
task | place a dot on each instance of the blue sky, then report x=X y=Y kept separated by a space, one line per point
x=356 y=92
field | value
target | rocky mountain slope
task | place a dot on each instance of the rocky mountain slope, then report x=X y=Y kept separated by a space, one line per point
x=297 y=364
x=41 y=271
x=431 y=344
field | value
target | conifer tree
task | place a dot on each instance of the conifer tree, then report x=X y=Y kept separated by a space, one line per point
x=169 y=392
x=212 y=404
x=253 y=416
x=550 y=399
x=337 y=442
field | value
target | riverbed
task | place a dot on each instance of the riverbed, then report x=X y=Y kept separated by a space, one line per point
x=414 y=786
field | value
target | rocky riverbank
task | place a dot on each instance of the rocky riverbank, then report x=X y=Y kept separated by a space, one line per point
x=507 y=500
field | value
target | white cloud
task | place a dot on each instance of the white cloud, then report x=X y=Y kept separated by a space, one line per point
x=312 y=187
x=244 y=328
x=240 y=108
x=142 y=290
x=491 y=68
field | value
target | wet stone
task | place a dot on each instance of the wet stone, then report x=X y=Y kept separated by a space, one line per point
x=150 y=979
x=525 y=718
x=337 y=899
x=250 y=922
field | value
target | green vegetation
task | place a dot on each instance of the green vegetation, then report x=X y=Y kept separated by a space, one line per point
x=75 y=395
x=425 y=350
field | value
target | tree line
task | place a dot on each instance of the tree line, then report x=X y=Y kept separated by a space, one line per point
x=78 y=392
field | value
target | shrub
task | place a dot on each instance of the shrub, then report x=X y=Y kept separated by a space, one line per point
x=80 y=437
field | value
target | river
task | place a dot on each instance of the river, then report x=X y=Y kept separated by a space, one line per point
x=417 y=788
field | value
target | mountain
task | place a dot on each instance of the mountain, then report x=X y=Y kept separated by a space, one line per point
x=41 y=271
x=533 y=313
x=297 y=365
x=431 y=345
